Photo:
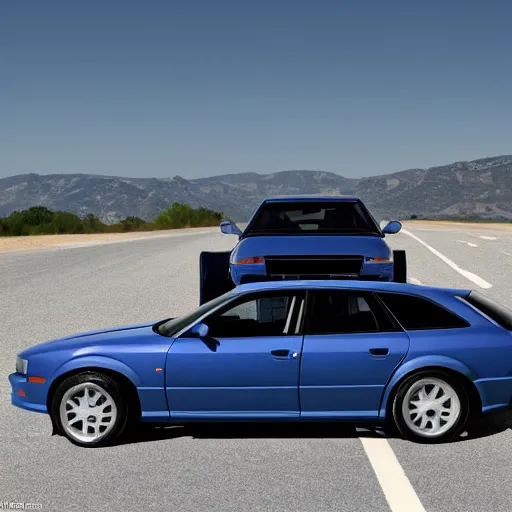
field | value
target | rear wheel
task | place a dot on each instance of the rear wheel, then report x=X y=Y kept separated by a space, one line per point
x=399 y=266
x=89 y=409
x=214 y=275
x=430 y=407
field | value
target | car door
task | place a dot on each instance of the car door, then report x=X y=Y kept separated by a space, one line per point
x=247 y=367
x=351 y=348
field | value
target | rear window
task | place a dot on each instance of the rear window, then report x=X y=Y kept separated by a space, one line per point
x=343 y=217
x=415 y=313
x=500 y=314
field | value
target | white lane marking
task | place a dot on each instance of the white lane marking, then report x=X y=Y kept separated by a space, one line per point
x=484 y=237
x=399 y=493
x=468 y=243
x=507 y=253
x=468 y=275
x=413 y=280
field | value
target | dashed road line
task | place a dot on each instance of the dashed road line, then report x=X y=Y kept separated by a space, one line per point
x=507 y=253
x=397 y=488
x=468 y=275
x=413 y=280
x=471 y=244
x=484 y=237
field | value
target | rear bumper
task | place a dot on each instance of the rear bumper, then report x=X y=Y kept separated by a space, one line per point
x=496 y=394
x=251 y=273
x=27 y=395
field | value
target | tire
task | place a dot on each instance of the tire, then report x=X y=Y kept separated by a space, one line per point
x=449 y=426
x=214 y=275
x=399 y=266
x=72 y=390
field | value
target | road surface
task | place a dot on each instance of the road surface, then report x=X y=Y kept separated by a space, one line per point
x=50 y=293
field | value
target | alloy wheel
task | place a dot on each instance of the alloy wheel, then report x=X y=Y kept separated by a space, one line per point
x=87 y=412
x=431 y=407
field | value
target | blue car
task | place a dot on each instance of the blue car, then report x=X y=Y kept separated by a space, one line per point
x=425 y=359
x=304 y=237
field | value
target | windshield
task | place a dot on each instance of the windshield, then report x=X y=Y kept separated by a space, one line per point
x=174 y=325
x=343 y=217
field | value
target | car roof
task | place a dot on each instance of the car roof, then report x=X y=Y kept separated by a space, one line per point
x=348 y=284
x=311 y=198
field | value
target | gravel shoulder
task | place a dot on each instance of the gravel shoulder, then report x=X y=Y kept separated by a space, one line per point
x=469 y=225
x=36 y=242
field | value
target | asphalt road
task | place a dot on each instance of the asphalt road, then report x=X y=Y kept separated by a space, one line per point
x=50 y=293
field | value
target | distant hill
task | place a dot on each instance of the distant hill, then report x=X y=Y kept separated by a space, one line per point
x=477 y=189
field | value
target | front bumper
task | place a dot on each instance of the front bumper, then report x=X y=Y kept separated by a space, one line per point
x=34 y=395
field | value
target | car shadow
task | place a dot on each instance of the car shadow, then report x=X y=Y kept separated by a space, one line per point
x=486 y=427
x=144 y=433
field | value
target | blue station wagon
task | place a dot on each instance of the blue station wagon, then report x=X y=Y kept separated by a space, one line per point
x=425 y=359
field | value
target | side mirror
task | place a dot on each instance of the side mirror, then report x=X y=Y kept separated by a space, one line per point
x=392 y=228
x=228 y=227
x=199 y=330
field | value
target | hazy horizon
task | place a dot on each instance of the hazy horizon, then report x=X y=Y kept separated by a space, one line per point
x=248 y=172
x=199 y=89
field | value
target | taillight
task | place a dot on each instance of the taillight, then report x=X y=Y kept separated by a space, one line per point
x=378 y=260
x=250 y=261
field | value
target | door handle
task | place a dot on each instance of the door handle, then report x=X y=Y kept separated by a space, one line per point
x=283 y=354
x=379 y=351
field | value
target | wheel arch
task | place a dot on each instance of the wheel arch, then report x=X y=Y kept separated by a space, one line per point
x=457 y=372
x=125 y=382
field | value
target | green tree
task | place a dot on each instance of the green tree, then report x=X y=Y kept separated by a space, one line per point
x=93 y=225
x=37 y=215
x=182 y=215
x=65 y=222
x=132 y=224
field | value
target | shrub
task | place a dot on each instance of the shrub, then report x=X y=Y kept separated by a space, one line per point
x=39 y=220
x=182 y=215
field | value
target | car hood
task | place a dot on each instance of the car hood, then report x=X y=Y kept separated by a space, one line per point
x=83 y=339
x=310 y=245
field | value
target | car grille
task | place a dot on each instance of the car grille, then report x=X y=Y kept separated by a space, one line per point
x=313 y=267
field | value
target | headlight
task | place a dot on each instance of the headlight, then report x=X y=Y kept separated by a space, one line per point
x=21 y=365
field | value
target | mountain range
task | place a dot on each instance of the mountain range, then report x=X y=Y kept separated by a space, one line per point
x=470 y=189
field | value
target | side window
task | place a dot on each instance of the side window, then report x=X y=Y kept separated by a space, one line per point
x=338 y=312
x=268 y=315
x=415 y=313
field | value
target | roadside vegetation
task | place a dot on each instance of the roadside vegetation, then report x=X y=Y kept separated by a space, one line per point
x=39 y=220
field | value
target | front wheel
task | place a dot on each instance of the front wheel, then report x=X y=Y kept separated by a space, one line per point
x=89 y=409
x=430 y=407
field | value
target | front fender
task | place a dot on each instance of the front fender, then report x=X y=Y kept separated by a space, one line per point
x=107 y=363
x=423 y=362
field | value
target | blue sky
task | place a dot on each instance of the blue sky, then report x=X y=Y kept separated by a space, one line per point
x=202 y=87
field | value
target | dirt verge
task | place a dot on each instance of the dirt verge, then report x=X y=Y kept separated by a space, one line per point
x=471 y=225
x=33 y=243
